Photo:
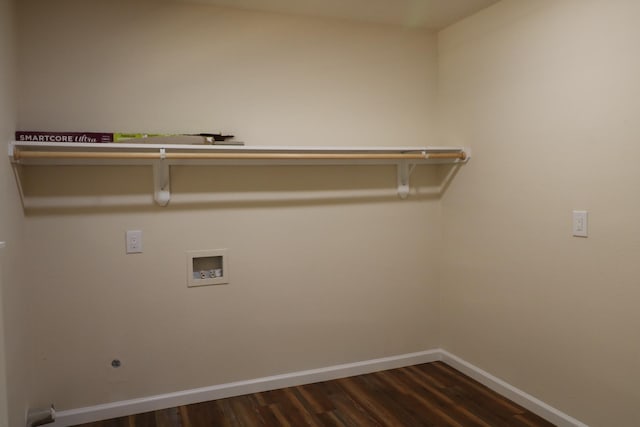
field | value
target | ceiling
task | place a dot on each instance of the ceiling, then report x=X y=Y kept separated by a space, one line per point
x=429 y=14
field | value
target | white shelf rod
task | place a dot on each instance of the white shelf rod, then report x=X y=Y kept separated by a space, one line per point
x=162 y=156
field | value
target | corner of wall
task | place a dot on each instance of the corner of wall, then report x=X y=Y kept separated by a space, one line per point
x=13 y=361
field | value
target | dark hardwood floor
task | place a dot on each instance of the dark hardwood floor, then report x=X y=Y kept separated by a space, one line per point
x=433 y=394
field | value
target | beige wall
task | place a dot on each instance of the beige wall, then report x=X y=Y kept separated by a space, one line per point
x=14 y=370
x=547 y=94
x=167 y=67
x=314 y=283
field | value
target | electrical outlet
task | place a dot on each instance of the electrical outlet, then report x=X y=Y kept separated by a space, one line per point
x=134 y=241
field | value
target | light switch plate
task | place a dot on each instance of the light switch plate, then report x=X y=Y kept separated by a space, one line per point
x=580 y=224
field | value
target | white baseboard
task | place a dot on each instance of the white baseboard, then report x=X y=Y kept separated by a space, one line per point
x=170 y=400
x=505 y=389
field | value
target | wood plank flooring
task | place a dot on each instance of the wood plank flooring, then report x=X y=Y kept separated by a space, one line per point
x=432 y=394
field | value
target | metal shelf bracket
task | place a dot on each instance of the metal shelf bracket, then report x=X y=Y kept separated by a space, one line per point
x=161 y=180
x=404 y=171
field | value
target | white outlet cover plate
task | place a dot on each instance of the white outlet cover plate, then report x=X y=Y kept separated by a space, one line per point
x=134 y=241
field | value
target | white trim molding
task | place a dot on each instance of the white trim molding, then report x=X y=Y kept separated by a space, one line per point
x=505 y=389
x=185 y=397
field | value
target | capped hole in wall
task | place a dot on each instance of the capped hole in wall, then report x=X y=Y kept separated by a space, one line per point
x=208 y=267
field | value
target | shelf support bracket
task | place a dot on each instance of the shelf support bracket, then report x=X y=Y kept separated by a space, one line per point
x=403 y=178
x=161 y=180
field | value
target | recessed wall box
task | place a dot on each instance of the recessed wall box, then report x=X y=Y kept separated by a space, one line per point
x=205 y=268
